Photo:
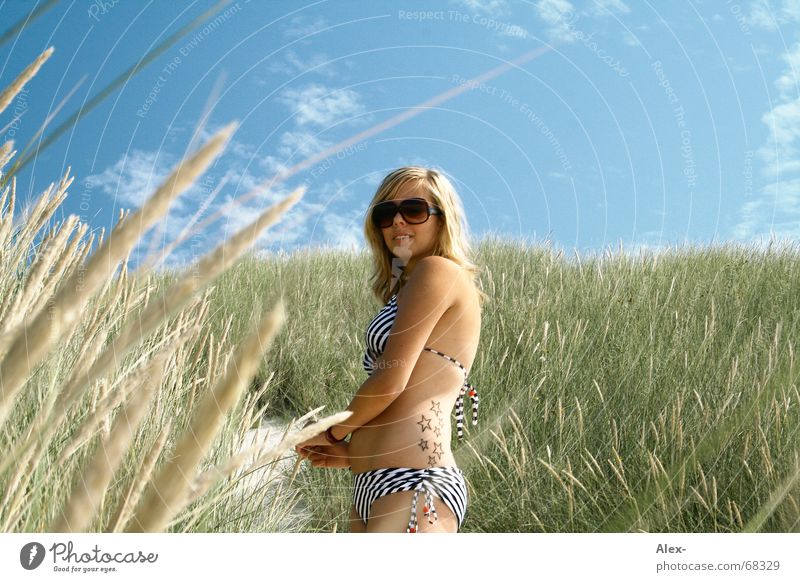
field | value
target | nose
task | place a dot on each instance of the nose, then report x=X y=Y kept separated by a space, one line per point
x=398 y=218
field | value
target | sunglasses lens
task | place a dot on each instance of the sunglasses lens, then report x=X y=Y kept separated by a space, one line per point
x=414 y=211
x=383 y=214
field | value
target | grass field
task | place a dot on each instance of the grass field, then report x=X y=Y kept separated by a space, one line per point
x=651 y=393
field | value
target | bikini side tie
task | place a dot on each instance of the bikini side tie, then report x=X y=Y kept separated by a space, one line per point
x=473 y=394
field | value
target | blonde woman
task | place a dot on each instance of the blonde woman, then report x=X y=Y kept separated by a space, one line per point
x=419 y=349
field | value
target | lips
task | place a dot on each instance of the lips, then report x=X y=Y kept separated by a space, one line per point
x=397 y=236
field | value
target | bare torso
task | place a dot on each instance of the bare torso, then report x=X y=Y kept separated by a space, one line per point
x=415 y=430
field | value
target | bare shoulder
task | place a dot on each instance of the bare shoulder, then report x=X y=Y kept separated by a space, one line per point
x=452 y=277
x=439 y=265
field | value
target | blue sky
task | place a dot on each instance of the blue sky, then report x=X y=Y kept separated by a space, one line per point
x=648 y=124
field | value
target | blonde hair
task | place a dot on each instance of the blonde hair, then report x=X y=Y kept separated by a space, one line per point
x=452 y=242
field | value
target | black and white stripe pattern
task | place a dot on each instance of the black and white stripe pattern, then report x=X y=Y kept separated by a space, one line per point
x=378 y=334
x=446 y=483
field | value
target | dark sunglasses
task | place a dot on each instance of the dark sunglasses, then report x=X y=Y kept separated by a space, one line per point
x=413 y=210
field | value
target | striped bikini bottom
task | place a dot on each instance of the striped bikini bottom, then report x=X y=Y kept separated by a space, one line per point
x=446 y=483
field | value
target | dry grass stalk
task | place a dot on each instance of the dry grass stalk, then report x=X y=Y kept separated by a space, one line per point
x=7 y=96
x=24 y=299
x=6 y=154
x=33 y=343
x=56 y=274
x=7 y=217
x=29 y=451
x=12 y=496
x=209 y=478
x=91 y=487
x=131 y=497
x=206 y=480
x=166 y=494
x=34 y=219
x=112 y=399
x=178 y=294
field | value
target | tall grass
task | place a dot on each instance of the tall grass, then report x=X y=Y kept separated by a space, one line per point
x=618 y=393
x=111 y=417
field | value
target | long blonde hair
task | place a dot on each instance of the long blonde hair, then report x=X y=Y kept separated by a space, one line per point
x=452 y=242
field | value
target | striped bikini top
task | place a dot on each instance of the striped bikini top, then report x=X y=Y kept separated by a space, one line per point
x=378 y=334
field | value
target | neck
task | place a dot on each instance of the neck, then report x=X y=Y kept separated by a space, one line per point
x=409 y=267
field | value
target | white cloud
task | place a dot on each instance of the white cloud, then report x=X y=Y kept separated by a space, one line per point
x=776 y=209
x=293 y=147
x=301 y=143
x=373 y=179
x=319 y=105
x=342 y=231
x=292 y=64
x=789 y=82
x=762 y=16
x=783 y=123
x=790 y=11
x=630 y=39
x=300 y=26
x=557 y=14
x=132 y=178
x=495 y=7
x=291 y=229
x=769 y=15
x=608 y=7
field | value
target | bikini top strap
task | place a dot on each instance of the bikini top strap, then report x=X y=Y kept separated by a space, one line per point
x=456 y=362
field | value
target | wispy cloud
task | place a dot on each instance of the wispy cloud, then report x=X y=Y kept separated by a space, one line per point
x=292 y=63
x=776 y=209
x=783 y=121
x=322 y=106
x=769 y=15
x=789 y=82
x=495 y=7
x=774 y=212
x=608 y=7
x=300 y=26
x=132 y=178
x=557 y=15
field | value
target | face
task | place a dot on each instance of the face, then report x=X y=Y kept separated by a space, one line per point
x=421 y=238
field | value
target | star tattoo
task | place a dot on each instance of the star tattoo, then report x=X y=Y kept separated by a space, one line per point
x=432 y=460
x=437 y=449
x=438 y=430
x=435 y=408
x=425 y=423
x=423 y=444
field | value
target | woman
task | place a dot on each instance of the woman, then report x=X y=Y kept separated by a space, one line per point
x=419 y=348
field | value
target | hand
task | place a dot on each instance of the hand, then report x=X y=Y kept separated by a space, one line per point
x=316 y=441
x=328 y=456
